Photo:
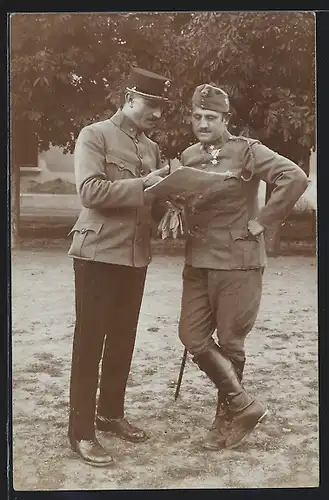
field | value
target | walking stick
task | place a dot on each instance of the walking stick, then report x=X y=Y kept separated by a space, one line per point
x=179 y=381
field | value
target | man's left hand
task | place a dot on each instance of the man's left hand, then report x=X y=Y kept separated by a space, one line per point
x=255 y=228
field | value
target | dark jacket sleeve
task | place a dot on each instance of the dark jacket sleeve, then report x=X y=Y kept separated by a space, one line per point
x=93 y=188
x=289 y=182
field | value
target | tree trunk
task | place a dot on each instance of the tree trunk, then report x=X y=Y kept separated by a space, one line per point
x=273 y=239
x=15 y=203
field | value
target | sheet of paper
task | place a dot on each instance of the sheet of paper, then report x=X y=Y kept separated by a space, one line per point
x=186 y=181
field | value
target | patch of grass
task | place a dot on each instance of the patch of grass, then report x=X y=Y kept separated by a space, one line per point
x=18 y=331
x=26 y=419
x=182 y=472
x=59 y=405
x=150 y=371
x=303 y=405
x=153 y=329
x=179 y=437
x=125 y=478
x=273 y=400
x=264 y=328
x=52 y=370
x=295 y=477
x=144 y=398
x=306 y=361
x=200 y=421
x=44 y=356
x=22 y=382
x=282 y=364
x=297 y=334
x=313 y=384
x=283 y=336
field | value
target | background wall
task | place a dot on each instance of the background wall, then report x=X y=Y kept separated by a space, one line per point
x=54 y=164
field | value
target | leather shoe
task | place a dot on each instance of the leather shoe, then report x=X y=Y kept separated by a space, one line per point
x=121 y=428
x=92 y=452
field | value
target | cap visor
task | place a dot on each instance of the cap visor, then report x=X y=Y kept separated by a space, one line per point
x=149 y=96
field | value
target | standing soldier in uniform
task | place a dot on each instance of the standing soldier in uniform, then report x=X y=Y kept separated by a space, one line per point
x=225 y=256
x=114 y=162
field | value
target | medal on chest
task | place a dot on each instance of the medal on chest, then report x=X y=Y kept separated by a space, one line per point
x=214 y=152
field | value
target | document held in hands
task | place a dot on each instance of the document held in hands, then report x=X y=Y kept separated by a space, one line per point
x=187 y=181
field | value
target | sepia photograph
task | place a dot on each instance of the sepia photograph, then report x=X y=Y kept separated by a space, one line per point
x=163 y=219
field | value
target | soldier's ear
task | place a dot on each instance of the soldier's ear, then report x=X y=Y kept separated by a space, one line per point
x=129 y=98
x=226 y=118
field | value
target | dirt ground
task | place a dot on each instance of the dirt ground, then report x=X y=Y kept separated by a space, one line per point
x=281 y=371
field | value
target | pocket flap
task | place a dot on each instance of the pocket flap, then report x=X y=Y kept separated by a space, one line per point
x=113 y=159
x=83 y=227
x=231 y=175
x=242 y=234
x=121 y=164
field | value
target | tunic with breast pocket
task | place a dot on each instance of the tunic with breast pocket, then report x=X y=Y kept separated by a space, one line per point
x=114 y=225
x=217 y=222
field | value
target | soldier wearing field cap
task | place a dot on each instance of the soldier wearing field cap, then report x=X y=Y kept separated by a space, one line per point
x=225 y=256
x=114 y=163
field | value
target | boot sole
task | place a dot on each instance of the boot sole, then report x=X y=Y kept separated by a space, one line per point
x=220 y=445
x=90 y=462
x=244 y=433
x=114 y=434
x=210 y=447
x=95 y=464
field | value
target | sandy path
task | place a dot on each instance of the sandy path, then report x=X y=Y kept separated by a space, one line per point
x=281 y=370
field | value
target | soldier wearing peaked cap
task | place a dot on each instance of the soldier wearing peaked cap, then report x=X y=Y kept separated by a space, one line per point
x=114 y=162
x=225 y=256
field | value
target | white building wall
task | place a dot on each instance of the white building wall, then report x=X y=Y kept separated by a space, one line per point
x=54 y=164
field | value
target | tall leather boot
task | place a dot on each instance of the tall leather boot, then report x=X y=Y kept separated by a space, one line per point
x=216 y=436
x=245 y=411
x=239 y=367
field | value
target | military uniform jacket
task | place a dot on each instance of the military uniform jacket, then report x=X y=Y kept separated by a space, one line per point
x=217 y=234
x=114 y=225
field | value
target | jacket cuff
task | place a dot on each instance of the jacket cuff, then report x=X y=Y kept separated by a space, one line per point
x=262 y=221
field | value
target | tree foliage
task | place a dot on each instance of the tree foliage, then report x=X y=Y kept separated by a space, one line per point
x=69 y=69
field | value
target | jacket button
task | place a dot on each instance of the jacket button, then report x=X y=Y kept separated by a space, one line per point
x=83 y=230
x=200 y=196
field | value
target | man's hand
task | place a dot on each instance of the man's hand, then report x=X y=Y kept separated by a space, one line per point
x=255 y=228
x=156 y=176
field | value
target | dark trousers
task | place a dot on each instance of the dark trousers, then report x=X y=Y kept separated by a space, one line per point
x=108 y=299
x=223 y=300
